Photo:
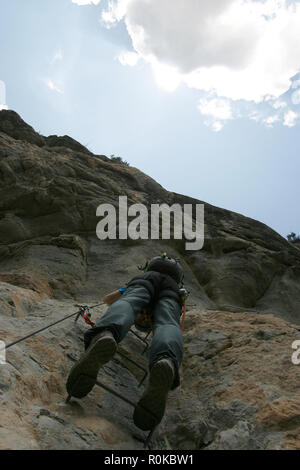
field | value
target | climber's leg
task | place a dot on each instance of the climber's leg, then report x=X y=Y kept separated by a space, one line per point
x=101 y=340
x=121 y=315
x=165 y=358
x=167 y=336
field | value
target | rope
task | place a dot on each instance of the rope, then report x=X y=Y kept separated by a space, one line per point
x=44 y=328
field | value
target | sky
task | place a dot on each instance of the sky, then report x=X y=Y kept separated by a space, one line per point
x=204 y=97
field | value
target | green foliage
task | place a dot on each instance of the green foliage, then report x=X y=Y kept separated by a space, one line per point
x=293 y=238
x=118 y=160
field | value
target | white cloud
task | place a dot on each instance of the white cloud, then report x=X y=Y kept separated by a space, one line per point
x=296 y=84
x=217 y=126
x=52 y=86
x=242 y=50
x=279 y=104
x=166 y=77
x=128 y=58
x=218 y=110
x=58 y=56
x=255 y=116
x=295 y=98
x=116 y=10
x=270 y=120
x=290 y=118
x=86 y=2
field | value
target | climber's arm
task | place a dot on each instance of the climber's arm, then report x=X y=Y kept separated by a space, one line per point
x=109 y=299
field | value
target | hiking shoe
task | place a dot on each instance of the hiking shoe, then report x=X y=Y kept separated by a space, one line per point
x=83 y=374
x=150 y=409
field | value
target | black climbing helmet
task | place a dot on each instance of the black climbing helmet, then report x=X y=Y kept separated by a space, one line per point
x=165 y=265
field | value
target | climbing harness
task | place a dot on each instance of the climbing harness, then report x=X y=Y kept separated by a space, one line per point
x=171 y=266
x=143 y=321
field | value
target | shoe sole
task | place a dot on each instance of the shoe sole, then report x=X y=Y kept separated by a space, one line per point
x=83 y=374
x=150 y=409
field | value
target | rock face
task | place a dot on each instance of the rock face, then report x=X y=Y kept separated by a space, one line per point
x=240 y=389
x=240 y=386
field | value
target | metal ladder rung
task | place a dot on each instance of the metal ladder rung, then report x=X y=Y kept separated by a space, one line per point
x=137 y=365
x=113 y=392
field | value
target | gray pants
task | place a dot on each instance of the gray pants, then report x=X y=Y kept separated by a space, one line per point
x=167 y=337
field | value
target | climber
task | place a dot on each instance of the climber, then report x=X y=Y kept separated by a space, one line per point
x=158 y=290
